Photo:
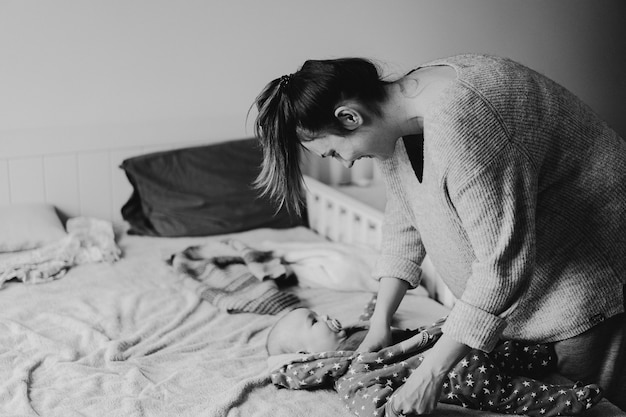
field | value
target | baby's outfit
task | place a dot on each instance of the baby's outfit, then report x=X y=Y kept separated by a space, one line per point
x=500 y=381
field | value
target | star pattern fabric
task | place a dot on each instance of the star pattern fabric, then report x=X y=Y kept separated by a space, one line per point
x=501 y=381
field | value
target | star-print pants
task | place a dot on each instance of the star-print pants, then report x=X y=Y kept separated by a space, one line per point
x=501 y=381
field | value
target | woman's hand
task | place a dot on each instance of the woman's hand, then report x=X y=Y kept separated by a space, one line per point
x=421 y=392
x=390 y=293
x=378 y=337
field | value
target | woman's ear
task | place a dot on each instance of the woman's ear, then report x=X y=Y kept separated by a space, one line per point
x=349 y=117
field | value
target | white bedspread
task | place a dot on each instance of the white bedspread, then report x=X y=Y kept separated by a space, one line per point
x=132 y=339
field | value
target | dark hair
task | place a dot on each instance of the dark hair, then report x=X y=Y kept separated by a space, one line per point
x=306 y=100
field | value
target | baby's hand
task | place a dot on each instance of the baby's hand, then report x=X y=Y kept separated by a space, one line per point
x=378 y=337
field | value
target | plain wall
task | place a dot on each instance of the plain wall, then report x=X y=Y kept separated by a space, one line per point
x=90 y=73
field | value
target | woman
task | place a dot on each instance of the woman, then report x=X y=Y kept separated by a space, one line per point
x=513 y=186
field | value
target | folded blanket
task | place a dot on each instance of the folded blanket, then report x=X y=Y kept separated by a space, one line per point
x=88 y=240
x=235 y=277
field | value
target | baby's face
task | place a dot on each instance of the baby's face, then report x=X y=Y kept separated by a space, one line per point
x=310 y=332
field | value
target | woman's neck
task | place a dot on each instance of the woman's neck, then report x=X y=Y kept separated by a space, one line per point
x=402 y=111
x=411 y=97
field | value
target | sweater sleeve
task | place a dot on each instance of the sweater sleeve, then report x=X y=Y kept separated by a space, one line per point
x=402 y=249
x=496 y=207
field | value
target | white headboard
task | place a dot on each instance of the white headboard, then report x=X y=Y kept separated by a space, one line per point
x=79 y=182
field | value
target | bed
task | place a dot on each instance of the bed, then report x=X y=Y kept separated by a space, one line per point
x=133 y=337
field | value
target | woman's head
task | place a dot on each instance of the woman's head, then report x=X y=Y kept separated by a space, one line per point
x=303 y=330
x=303 y=105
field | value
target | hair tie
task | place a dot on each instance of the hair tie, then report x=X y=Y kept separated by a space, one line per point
x=284 y=81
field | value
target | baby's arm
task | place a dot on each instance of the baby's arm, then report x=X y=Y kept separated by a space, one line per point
x=312 y=371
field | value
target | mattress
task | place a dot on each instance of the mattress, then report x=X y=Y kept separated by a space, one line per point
x=135 y=339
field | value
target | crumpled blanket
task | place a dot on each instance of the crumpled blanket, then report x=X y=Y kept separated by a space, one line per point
x=235 y=277
x=333 y=265
x=500 y=381
x=88 y=240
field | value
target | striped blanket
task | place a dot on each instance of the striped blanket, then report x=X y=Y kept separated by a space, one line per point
x=237 y=278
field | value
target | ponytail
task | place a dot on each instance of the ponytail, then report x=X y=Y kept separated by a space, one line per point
x=305 y=101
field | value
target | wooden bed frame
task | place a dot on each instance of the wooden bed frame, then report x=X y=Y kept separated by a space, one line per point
x=340 y=217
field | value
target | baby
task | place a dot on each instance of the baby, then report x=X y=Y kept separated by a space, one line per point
x=304 y=331
x=500 y=381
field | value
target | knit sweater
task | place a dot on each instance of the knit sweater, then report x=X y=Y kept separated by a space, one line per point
x=521 y=206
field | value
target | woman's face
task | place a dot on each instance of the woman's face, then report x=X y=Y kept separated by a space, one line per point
x=368 y=136
x=365 y=142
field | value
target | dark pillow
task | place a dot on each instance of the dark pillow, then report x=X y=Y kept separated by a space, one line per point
x=199 y=191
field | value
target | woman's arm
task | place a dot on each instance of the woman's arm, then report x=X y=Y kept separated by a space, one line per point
x=398 y=265
x=496 y=207
x=402 y=251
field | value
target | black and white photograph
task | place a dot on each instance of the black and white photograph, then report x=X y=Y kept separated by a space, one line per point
x=342 y=208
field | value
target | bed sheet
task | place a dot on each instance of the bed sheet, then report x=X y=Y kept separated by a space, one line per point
x=133 y=339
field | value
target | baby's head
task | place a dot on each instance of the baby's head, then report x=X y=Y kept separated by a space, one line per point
x=303 y=330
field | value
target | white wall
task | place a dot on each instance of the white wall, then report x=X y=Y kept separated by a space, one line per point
x=89 y=73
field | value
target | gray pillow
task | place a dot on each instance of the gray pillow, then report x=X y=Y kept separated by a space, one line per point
x=199 y=191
